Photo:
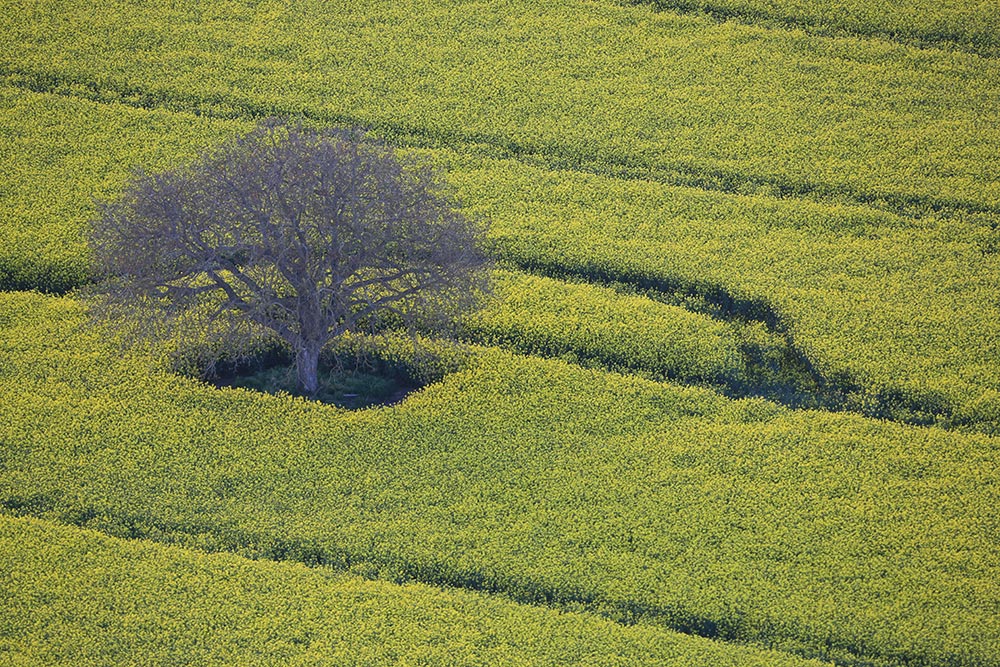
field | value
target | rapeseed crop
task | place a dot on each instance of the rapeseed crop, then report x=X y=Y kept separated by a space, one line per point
x=538 y=315
x=900 y=313
x=735 y=203
x=62 y=154
x=575 y=83
x=894 y=313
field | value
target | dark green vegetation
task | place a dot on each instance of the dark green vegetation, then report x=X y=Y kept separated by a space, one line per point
x=743 y=206
x=347 y=388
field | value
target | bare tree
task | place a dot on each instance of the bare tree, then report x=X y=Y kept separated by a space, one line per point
x=305 y=233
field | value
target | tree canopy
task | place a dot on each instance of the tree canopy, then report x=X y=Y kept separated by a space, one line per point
x=304 y=233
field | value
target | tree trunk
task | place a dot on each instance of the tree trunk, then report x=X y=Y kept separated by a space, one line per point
x=307 y=367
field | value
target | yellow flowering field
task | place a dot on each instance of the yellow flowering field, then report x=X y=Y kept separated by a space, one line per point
x=736 y=399
x=824 y=535
x=548 y=317
x=60 y=156
x=593 y=84
x=896 y=315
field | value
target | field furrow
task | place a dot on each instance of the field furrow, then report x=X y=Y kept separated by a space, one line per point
x=657 y=334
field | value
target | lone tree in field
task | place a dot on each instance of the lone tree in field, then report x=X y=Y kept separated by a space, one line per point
x=304 y=233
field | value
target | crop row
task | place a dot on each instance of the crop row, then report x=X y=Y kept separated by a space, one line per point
x=77 y=597
x=598 y=85
x=973 y=26
x=538 y=315
x=831 y=535
x=622 y=329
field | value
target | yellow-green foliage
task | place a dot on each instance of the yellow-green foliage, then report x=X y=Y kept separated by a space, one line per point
x=829 y=534
x=862 y=211
x=76 y=597
x=549 y=317
x=59 y=155
x=599 y=84
x=907 y=307
x=969 y=24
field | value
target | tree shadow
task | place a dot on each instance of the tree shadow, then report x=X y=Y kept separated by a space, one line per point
x=353 y=384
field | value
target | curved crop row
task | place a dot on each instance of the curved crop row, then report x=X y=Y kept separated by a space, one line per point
x=611 y=328
x=538 y=315
x=902 y=313
x=831 y=535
